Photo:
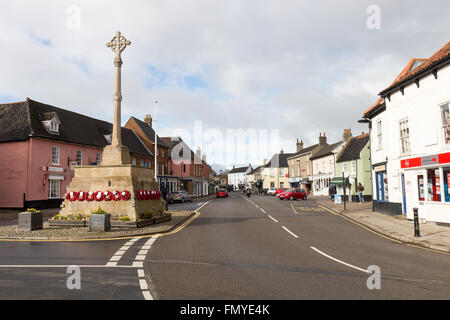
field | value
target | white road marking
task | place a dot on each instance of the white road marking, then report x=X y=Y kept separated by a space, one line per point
x=119 y=253
x=200 y=203
x=203 y=205
x=138 y=264
x=262 y=210
x=143 y=252
x=65 y=265
x=145 y=247
x=293 y=234
x=141 y=273
x=140 y=257
x=115 y=258
x=143 y=284
x=272 y=218
x=337 y=260
x=147 y=295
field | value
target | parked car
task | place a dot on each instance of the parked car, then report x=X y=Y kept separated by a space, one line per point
x=221 y=193
x=271 y=191
x=263 y=191
x=179 y=196
x=293 y=194
x=280 y=190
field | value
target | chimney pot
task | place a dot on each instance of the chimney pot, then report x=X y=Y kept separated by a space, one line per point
x=148 y=120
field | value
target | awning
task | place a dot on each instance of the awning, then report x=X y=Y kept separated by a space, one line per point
x=338 y=181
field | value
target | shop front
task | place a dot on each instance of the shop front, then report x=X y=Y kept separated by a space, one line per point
x=321 y=184
x=426 y=187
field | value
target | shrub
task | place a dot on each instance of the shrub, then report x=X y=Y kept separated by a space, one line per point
x=124 y=218
x=99 y=211
x=32 y=210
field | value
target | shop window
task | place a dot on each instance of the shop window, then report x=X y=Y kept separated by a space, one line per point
x=446 y=190
x=54 y=189
x=421 y=187
x=434 y=185
x=446 y=123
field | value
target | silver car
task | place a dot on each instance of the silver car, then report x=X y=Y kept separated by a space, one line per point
x=179 y=196
x=271 y=191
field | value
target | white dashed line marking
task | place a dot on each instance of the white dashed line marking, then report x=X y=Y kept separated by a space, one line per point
x=138 y=264
x=293 y=234
x=272 y=218
x=141 y=273
x=262 y=210
x=147 y=295
x=119 y=253
x=143 y=284
x=337 y=260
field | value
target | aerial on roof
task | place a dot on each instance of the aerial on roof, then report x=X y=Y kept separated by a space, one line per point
x=353 y=148
x=21 y=120
x=326 y=150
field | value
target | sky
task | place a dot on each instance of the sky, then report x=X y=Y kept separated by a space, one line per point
x=283 y=70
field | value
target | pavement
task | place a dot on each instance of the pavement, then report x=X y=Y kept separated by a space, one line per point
x=432 y=236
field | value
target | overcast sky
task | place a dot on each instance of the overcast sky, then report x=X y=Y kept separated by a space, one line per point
x=301 y=67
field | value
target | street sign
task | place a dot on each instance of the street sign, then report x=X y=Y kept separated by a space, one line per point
x=337 y=199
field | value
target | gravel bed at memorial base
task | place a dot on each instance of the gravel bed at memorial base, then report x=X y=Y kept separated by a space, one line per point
x=76 y=233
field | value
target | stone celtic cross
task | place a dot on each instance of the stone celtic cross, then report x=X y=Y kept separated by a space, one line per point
x=118 y=43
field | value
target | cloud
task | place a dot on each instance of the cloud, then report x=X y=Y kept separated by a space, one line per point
x=299 y=66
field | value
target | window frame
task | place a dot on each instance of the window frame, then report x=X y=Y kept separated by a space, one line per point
x=58 y=155
x=405 y=144
x=379 y=135
x=79 y=152
x=57 y=193
x=445 y=126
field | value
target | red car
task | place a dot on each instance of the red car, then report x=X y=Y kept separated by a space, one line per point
x=221 y=193
x=293 y=194
x=280 y=190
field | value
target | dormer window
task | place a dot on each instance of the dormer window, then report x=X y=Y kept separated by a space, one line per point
x=54 y=126
x=51 y=122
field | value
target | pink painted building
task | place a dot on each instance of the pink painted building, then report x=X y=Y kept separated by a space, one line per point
x=40 y=144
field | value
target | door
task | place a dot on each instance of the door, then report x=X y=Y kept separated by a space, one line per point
x=403 y=193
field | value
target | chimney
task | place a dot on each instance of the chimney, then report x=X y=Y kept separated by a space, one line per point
x=148 y=120
x=204 y=158
x=281 y=151
x=347 y=135
x=322 y=139
x=199 y=152
x=299 y=145
x=265 y=162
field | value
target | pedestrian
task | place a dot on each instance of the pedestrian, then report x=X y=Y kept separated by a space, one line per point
x=360 y=192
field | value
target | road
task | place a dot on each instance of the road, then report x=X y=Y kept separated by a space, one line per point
x=237 y=248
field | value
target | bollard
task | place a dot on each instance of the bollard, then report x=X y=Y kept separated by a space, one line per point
x=416 y=222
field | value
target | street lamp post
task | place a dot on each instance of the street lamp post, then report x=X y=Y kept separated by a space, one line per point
x=156 y=143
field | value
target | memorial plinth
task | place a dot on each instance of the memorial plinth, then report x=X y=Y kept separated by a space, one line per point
x=105 y=178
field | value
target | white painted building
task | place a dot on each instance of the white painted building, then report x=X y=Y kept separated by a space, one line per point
x=410 y=141
x=238 y=176
x=323 y=167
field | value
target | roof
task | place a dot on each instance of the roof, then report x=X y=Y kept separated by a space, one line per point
x=414 y=69
x=255 y=170
x=304 y=151
x=325 y=150
x=150 y=132
x=353 y=148
x=279 y=160
x=238 y=170
x=21 y=120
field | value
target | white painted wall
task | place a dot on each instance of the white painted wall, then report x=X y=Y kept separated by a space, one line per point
x=422 y=108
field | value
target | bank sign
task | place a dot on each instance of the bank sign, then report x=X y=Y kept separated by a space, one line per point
x=426 y=161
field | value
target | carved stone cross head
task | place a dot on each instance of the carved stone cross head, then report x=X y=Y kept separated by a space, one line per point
x=118 y=43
